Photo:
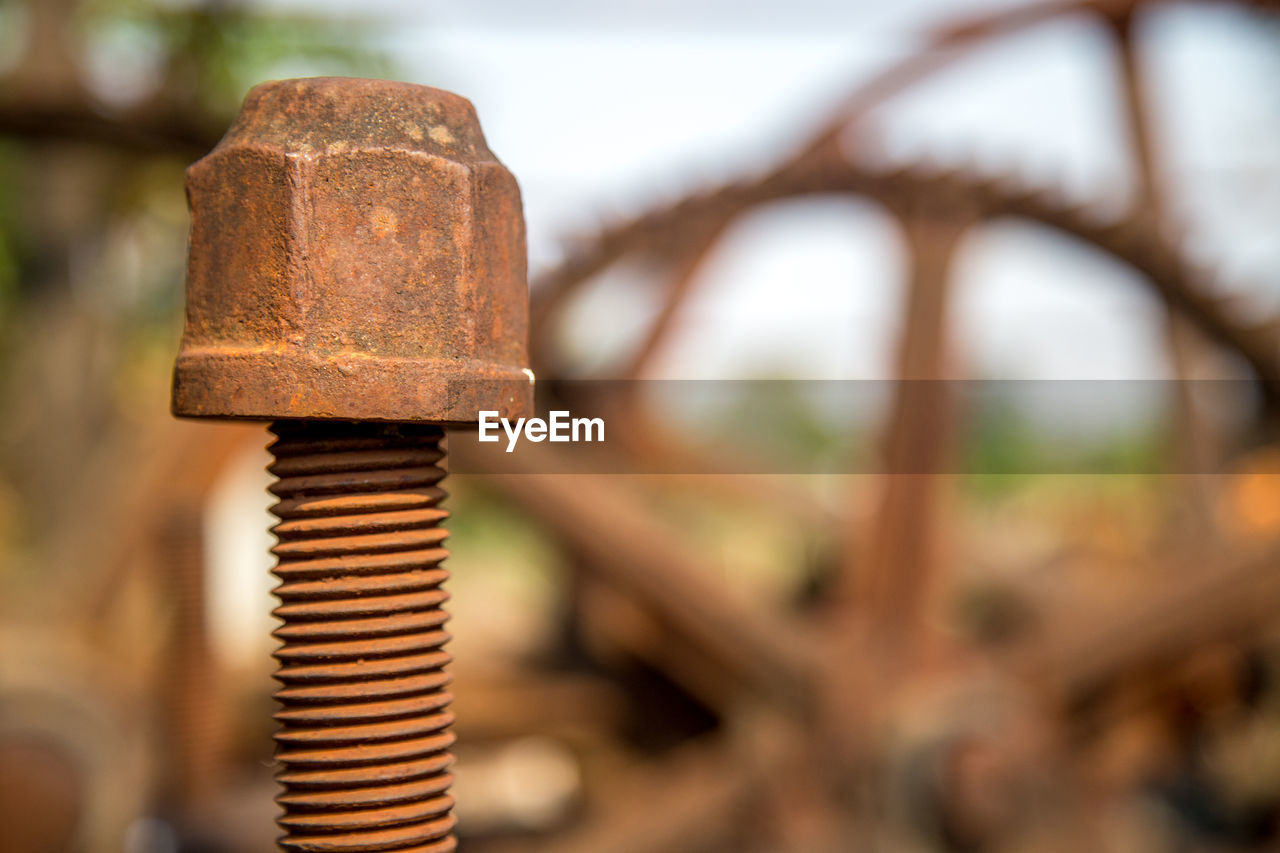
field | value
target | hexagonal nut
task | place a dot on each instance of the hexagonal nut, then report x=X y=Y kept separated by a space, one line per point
x=356 y=252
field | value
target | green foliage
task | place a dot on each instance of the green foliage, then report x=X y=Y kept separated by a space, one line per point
x=782 y=420
x=213 y=52
x=1004 y=452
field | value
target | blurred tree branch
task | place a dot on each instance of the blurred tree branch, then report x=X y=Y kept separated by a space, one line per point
x=212 y=53
x=145 y=131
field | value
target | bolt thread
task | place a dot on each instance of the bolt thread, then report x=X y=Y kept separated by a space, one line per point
x=363 y=745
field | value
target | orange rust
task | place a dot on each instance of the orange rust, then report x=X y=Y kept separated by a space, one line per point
x=357 y=255
x=373 y=796
x=363 y=744
x=357 y=252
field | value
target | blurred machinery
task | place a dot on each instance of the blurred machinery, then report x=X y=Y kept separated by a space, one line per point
x=680 y=708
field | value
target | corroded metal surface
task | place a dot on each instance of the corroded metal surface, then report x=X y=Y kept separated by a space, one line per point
x=363 y=748
x=357 y=252
x=357 y=256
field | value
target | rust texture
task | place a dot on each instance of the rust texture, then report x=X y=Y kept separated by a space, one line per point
x=357 y=253
x=357 y=276
x=363 y=748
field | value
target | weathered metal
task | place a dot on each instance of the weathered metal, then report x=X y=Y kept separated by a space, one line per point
x=357 y=254
x=363 y=751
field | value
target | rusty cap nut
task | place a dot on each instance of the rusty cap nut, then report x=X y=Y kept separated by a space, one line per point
x=356 y=253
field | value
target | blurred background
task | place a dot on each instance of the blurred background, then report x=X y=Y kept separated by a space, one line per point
x=970 y=650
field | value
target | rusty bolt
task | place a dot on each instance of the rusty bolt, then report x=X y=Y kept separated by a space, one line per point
x=357 y=275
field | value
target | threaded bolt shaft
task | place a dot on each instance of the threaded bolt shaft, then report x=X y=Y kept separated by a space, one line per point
x=363 y=745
